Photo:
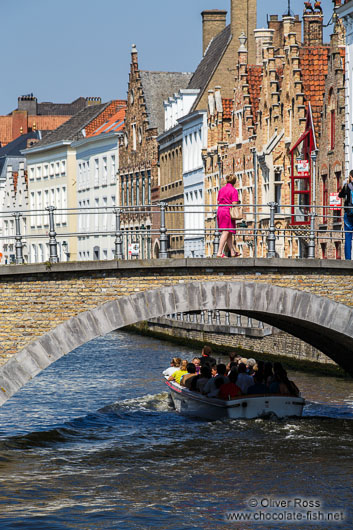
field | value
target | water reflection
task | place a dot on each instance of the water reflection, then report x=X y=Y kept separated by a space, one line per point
x=86 y=446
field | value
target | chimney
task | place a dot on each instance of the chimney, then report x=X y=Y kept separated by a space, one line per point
x=263 y=38
x=213 y=22
x=243 y=19
x=313 y=19
x=28 y=103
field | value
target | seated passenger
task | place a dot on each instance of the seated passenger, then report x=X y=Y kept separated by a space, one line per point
x=221 y=374
x=268 y=373
x=281 y=384
x=230 y=390
x=217 y=385
x=250 y=366
x=174 y=366
x=244 y=380
x=206 y=357
x=179 y=373
x=258 y=387
x=186 y=379
x=200 y=380
x=196 y=361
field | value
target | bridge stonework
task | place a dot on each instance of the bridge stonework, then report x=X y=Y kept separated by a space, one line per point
x=47 y=312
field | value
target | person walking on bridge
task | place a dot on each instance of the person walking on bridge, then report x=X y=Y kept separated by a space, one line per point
x=227 y=196
x=346 y=193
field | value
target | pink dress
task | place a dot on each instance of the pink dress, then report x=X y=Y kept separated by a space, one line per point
x=226 y=195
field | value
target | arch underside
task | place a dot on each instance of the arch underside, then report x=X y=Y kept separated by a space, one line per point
x=321 y=322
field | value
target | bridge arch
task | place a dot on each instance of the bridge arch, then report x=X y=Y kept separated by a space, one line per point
x=319 y=321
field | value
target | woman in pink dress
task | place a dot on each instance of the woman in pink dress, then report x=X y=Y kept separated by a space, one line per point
x=227 y=196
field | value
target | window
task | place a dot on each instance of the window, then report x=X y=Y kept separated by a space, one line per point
x=105 y=171
x=96 y=215
x=64 y=205
x=32 y=208
x=96 y=172
x=63 y=167
x=46 y=171
x=31 y=173
x=58 y=205
x=112 y=170
x=338 y=254
x=278 y=190
x=39 y=172
x=324 y=250
x=105 y=213
x=51 y=170
x=332 y=127
x=324 y=198
x=134 y=142
x=40 y=208
x=57 y=168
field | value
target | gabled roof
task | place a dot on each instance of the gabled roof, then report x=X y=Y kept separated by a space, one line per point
x=208 y=65
x=157 y=87
x=115 y=124
x=14 y=148
x=314 y=68
x=72 y=129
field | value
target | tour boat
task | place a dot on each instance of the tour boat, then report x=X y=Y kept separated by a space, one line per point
x=195 y=404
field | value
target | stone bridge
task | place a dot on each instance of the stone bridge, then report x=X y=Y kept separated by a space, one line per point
x=48 y=312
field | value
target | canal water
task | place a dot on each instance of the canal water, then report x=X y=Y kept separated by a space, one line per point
x=92 y=443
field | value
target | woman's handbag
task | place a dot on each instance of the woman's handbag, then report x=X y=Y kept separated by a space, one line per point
x=236 y=213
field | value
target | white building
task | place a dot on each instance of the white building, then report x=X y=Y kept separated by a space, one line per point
x=97 y=159
x=345 y=12
x=194 y=140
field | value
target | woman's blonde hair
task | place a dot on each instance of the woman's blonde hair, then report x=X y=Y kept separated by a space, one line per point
x=183 y=365
x=231 y=179
x=176 y=361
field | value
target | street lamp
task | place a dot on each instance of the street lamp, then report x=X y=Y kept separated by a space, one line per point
x=65 y=249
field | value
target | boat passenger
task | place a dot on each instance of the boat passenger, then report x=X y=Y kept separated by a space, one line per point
x=179 y=373
x=250 y=366
x=198 y=382
x=174 y=366
x=217 y=386
x=268 y=373
x=186 y=379
x=244 y=380
x=221 y=374
x=281 y=384
x=206 y=357
x=258 y=387
x=231 y=366
x=230 y=390
x=196 y=361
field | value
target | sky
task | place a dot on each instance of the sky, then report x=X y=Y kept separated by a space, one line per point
x=61 y=50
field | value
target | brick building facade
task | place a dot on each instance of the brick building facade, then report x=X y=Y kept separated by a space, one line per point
x=139 y=172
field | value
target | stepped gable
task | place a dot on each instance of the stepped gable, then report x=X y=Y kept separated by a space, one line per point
x=254 y=80
x=157 y=87
x=72 y=129
x=14 y=148
x=314 y=68
x=208 y=65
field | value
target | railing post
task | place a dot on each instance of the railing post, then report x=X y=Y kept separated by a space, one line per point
x=311 y=244
x=227 y=318
x=19 y=244
x=118 y=249
x=163 y=252
x=271 y=238
x=217 y=237
x=53 y=245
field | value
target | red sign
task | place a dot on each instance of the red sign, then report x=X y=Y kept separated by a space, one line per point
x=303 y=168
x=335 y=202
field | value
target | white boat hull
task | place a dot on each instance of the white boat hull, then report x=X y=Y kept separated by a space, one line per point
x=195 y=404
